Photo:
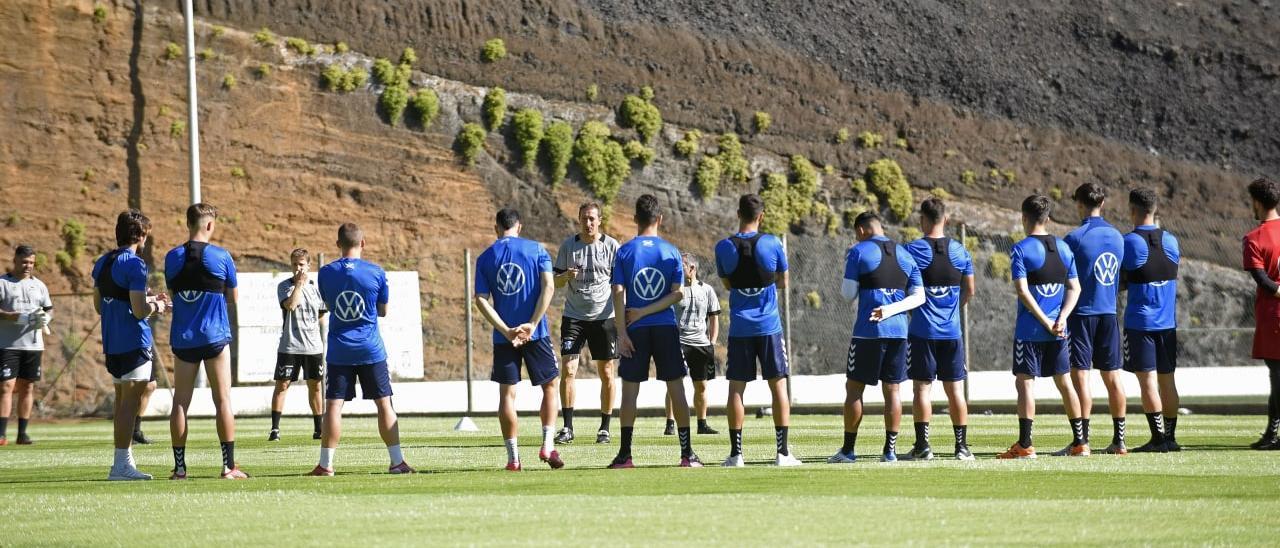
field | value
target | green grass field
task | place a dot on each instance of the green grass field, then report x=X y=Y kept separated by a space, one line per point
x=1214 y=492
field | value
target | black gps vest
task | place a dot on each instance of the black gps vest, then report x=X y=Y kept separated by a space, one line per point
x=889 y=274
x=1053 y=271
x=1159 y=267
x=107 y=287
x=941 y=273
x=194 y=276
x=749 y=274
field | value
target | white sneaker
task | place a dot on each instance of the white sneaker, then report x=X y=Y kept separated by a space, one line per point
x=127 y=473
x=734 y=461
x=787 y=460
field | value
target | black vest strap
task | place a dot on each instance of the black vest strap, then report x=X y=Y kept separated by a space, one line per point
x=194 y=276
x=889 y=274
x=1053 y=271
x=941 y=272
x=749 y=274
x=107 y=287
x=1158 y=267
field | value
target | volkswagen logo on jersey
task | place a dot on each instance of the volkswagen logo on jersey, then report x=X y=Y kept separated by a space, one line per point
x=649 y=284
x=510 y=279
x=1048 y=290
x=189 y=295
x=1160 y=283
x=349 y=306
x=750 y=291
x=940 y=291
x=1106 y=268
x=889 y=292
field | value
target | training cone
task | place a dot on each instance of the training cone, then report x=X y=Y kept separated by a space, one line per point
x=465 y=424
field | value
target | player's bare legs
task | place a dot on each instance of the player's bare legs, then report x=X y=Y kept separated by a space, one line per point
x=218 y=370
x=184 y=381
x=892 y=418
x=1153 y=408
x=1023 y=448
x=547 y=412
x=143 y=402
x=6 y=399
x=314 y=396
x=389 y=429
x=1083 y=395
x=852 y=411
x=568 y=376
x=1071 y=405
x=1117 y=404
x=1169 y=403
x=277 y=407
x=509 y=423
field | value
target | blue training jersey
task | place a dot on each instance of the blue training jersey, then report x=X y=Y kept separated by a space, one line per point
x=1099 y=249
x=753 y=312
x=864 y=258
x=351 y=289
x=1026 y=257
x=510 y=271
x=1151 y=306
x=121 y=331
x=648 y=267
x=200 y=317
x=939 y=317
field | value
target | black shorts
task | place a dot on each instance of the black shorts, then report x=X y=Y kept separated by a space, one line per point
x=200 y=353
x=601 y=336
x=374 y=380
x=125 y=366
x=701 y=361
x=290 y=366
x=20 y=364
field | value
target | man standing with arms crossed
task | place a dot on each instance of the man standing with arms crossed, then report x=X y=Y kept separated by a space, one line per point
x=698 y=313
x=357 y=293
x=514 y=287
x=301 y=350
x=1094 y=332
x=25 y=311
x=752 y=267
x=202 y=277
x=1262 y=261
x=584 y=263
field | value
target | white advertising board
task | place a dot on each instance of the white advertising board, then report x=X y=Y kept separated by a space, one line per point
x=259 y=322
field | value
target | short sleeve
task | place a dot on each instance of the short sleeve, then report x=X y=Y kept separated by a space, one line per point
x=283 y=290
x=962 y=259
x=544 y=260
x=1135 y=252
x=713 y=302
x=1017 y=263
x=676 y=269
x=232 y=282
x=851 y=269
x=562 y=257
x=779 y=252
x=1171 y=247
x=1070 y=261
x=616 y=276
x=46 y=301
x=482 y=275
x=384 y=291
x=726 y=258
x=1253 y=254
x=135 y=275
x=914 y=279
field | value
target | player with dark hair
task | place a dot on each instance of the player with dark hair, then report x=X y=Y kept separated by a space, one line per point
x=583 y=265
x=1150 y=275
x=1044 y=277
x=25 y=312
x=120 y=298
x=647 y=280
x=699 y=315
x=1262 y=261
x=935 y=347
x=202 y=277
x=301 y=349
x=753 y=266
x=1094 y=331
x=356 y=294
x=514 y=287
x=885 y=281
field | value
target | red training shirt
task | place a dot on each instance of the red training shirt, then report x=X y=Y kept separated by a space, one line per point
x=1262 y=250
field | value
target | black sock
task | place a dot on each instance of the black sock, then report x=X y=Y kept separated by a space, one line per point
x=1156 y=423
x=1084 y=431
x=702 y=424
x=1273 y=402
x=4 y=425
x=137 y=424
x=22 y=426
x=962 y=434
x=1024 y=432
x=604 y=421
x=624 y=450
x=1077 y=431
x=780 y=433
x=316 y=420
x=1117 y=437
x=850 y=439
x=568 y=418
x=735 y=443
x=686 y=441
x=229 y=455
x=671 y=423
x=179 y=459
x=1170 y=428
x=1273 y=426
x=922 y=434
x=890 y=441
x=275 y=420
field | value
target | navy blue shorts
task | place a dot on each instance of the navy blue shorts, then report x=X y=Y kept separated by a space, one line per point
x=340 y=381
x=200 y=353
x=537 y=356
x=873 y=360
x=1041 y=358
x=941 y=359
x=1146 y=351
x=660 y=342
x=124 y=363
x=769 y=350
x=1095 y=342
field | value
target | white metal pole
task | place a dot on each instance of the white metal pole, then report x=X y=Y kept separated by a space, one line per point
x=193 y=122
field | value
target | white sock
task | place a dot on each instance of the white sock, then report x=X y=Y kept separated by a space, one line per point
x=396 y=456
x=122 y=458
x=548 y=438
x=513 y=453
x=326 y=457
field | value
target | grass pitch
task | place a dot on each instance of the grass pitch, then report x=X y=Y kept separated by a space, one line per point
x=1214 y=492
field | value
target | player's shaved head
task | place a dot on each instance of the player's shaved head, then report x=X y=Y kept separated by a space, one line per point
x=1090 y=195
x=349 y=235
x=199 y=214
x=750 y=206
x=867 y=220
x=1037 y=208
x=1266 y=192
x=1143 y=200
x=507 y=218
x=933 y=210
x=648 y=211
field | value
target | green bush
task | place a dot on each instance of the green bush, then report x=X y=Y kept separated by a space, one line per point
x=968 y=177
x=910 y=234
x=776 y=197
x=470 y=142
x=238 y=172
x=1055 y=193
x=707 y=179
x=1000 y=266
x=177 y=129
x=206 y=54
x=941 y=193
x=73 y=238
x=902 y=143
x=886 y=178
x=384 y=72
x=494 y=50
x=761 y=121
x=950 y=153
x=641 y=115
x=99 y=13
x=87 y=176
x=971 y=243
x=833 y=223
x=529 y=133
x=601 y=160
x=804 y=185
x=393 y=101
x=731 y=158
x=688 y=145
x=172 y=51
x=637 y=152
x=65 y=262
x=842 y=136
x=426 y=104
x=229 y=81
x=593 y=92
x=408 y=57
x=868 y=139
x=341 y=47
x=263 y=71
x=494 y=108
x=1008 y=175
x=858 y=186
x=354 y=79
x=332 y=77
x=300 y=46
x=646 y=93
x=558 y=146
x=813 y=299
x=264 y=37
x=828 y=169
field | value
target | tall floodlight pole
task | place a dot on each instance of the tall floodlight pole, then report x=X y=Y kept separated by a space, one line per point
x=193 y=119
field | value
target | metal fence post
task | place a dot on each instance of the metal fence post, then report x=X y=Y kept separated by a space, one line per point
x=465 y=424
x=964 y=316
x=786 y=316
